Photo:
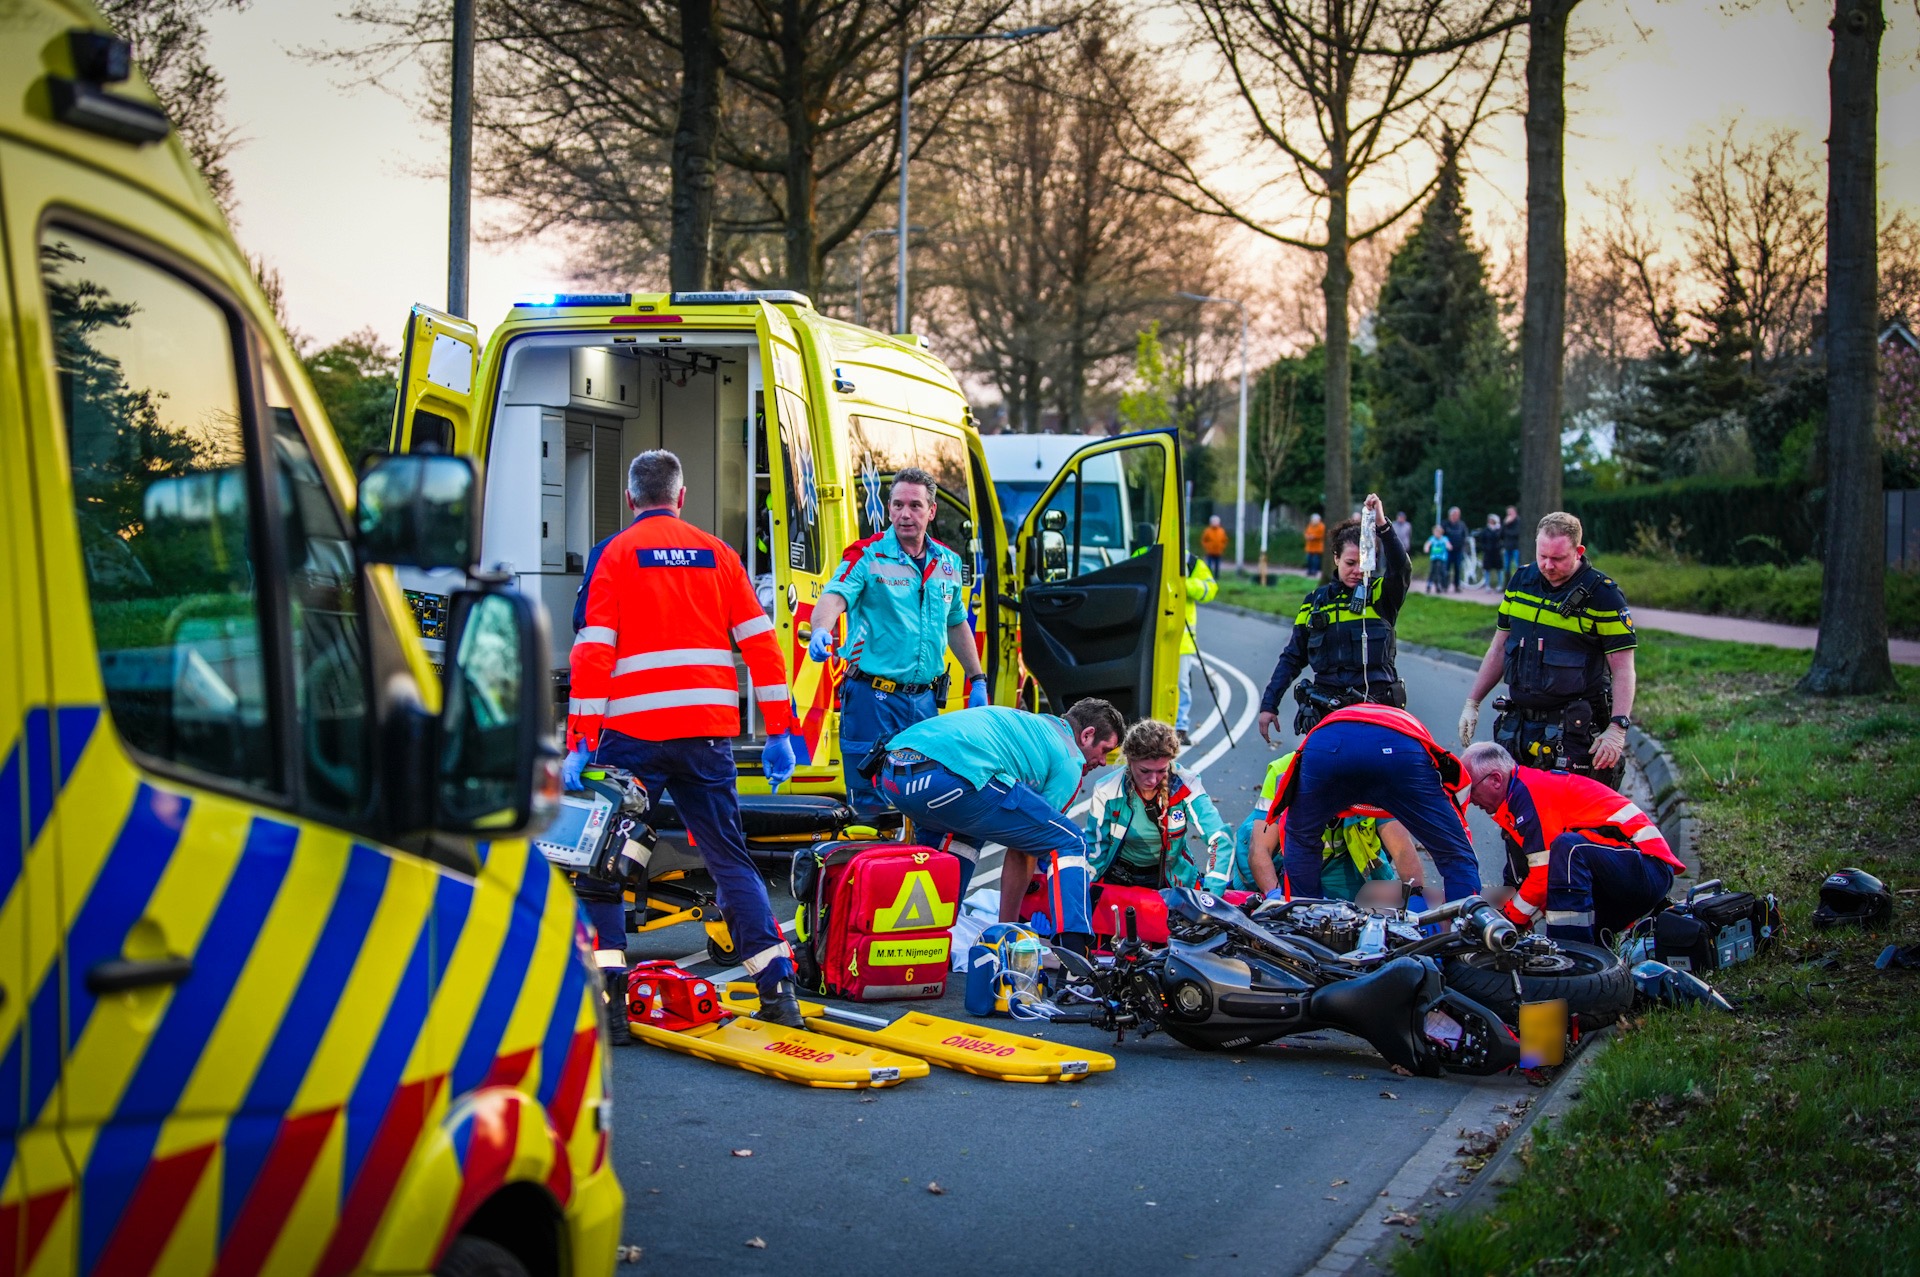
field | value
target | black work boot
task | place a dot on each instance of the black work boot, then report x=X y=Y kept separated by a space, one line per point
x=781 y=1006
x=618 y=1034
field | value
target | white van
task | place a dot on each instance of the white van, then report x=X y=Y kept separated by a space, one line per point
x=1023 y=468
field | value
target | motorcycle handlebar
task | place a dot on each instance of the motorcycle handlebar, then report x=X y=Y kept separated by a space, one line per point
x=1499 y=935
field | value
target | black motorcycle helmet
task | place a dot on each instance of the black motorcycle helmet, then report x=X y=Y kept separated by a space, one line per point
x=1853 y=895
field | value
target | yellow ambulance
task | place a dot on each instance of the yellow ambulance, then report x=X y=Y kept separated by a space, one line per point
x=281 y=989
x=790 y=425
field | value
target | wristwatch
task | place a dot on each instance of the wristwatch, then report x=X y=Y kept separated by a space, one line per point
x=1621 y=721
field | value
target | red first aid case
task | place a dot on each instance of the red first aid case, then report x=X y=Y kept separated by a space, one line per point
x=875 y=919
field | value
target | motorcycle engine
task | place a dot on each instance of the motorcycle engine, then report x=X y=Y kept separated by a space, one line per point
x=1333 y=923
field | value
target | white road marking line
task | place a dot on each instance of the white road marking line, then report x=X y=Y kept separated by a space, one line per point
x=990 y=853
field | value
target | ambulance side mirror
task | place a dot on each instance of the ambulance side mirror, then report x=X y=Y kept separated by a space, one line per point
x=493 y=763
x=418 y=510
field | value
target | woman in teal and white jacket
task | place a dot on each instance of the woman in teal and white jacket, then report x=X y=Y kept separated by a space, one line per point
x=1151 y=823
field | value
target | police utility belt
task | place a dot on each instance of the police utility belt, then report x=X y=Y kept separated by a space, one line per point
x=939 y=687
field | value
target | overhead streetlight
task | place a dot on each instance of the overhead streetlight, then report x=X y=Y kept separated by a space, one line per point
x=1240 y=501
x=906 y=102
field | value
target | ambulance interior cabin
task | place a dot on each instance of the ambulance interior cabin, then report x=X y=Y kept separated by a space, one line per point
x=575 y=408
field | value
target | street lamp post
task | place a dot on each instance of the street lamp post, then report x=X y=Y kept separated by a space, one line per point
x=906 y=103
x=1240 y=499
x=460 y=169
x=860 y=267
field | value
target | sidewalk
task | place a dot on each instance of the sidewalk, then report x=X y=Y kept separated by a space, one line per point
x=1732 y=629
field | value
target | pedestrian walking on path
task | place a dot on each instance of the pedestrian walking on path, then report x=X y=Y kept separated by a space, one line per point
x=1457 y=538
x=1316 y=541
x=1213 y=544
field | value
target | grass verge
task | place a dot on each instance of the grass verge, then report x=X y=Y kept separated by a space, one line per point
x=1786 y=1138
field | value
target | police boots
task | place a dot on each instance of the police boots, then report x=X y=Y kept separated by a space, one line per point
x=618 y=1034
x=782 y=1006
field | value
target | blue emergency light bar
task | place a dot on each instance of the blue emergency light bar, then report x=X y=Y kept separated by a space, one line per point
x=742 y=297
x=574 y=299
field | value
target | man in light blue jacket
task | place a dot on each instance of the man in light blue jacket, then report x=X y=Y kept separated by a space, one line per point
x=997 y=774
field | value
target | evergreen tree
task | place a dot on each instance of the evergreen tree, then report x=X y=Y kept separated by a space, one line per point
x=1439 y=334
x=1690 y=383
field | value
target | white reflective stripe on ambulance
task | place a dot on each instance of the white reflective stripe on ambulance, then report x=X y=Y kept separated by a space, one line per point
x=747 y=629
x=673 y=657
x=591 y=634
x=671 y=700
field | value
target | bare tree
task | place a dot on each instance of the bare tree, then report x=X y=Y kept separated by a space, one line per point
x=1544 y=316
x=1339 y=90
x=581 y=106
x=1753 y=217
x=169 y=39
x=1850 y=656
x=696 y=142
x=1057 y=247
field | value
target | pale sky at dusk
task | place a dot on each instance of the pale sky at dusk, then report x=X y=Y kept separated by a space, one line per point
x=340 y=188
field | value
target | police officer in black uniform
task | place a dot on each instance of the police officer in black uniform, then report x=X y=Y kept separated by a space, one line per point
x=1565 y=645
x=1328 y=629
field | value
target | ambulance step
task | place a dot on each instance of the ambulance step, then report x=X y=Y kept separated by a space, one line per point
x=952 y=1044
x=792 y=1055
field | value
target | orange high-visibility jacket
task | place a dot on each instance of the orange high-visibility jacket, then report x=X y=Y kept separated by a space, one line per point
x=665 y=608
x=1541 y=806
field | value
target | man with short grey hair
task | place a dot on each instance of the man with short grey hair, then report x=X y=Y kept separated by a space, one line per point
x=905 y=600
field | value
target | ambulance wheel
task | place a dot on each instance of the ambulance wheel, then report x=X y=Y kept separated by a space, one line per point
x=1596 y=983
x=723 y=952
x=477 y=1257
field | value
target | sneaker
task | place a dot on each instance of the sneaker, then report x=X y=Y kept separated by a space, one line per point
x=1184 y=738
x=782 y=1008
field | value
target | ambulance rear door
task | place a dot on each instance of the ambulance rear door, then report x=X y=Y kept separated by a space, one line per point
x=1103 y=601
x=795 y=538
x=434 y=411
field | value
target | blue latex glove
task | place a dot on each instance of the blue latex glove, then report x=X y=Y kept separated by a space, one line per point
x=820 y=646
x=573 y=765
x=1278 y=893
x=977 y=693
x=781 y=756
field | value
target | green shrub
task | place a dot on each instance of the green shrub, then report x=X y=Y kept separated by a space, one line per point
x=1718 y=521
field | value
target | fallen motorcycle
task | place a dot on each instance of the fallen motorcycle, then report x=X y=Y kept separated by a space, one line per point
x=1595 y=983
x=1225 y=980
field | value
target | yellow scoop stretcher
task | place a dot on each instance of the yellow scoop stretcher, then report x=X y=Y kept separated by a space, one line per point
x=952 y=1044
x=792 y=1055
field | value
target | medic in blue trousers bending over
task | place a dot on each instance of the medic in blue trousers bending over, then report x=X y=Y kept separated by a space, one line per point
x=1377 y=761
x=997 y=774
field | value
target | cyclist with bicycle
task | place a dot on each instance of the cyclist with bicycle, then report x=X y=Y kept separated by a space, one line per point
x=1345 y=637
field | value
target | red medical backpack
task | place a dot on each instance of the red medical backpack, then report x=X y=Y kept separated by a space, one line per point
x=875 y=919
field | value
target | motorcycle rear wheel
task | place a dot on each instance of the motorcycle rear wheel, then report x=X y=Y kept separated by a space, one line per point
x=1595 y=982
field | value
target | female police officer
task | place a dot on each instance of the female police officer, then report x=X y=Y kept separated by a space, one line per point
x=1328 y=630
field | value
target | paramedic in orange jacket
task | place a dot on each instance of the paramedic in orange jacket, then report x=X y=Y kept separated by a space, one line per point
x=1578 y=851
x=1375 y=760
x=654 y=691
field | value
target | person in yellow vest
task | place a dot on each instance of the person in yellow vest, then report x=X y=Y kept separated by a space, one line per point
x=1201 y=588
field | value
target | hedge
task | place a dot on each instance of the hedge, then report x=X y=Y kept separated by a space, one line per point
x=1721 y=521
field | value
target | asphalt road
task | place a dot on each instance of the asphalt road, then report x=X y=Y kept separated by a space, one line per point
x=1175 y=1161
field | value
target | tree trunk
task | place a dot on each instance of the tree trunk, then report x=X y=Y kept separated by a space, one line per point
x=1337 y=285
x=1543 y=325
x=696 y=136
x=1850 y=657
x=802 y=268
